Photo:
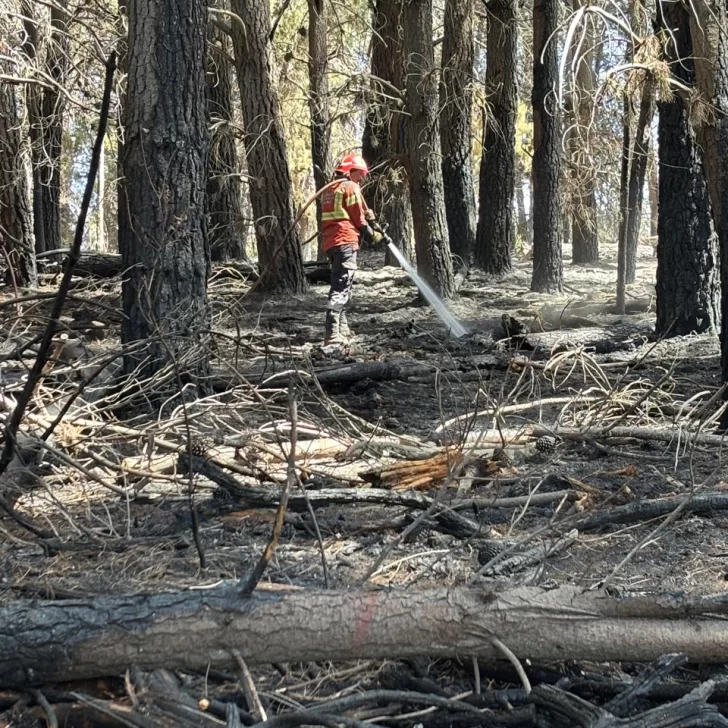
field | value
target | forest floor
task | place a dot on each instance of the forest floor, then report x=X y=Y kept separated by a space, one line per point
x=620 y=404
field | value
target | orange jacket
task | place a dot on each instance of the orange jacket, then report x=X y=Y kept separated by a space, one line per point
x=343 y=213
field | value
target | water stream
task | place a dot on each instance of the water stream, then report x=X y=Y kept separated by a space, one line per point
x=456 y=328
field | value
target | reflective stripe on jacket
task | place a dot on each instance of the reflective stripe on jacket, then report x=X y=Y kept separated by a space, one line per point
x=343 y=213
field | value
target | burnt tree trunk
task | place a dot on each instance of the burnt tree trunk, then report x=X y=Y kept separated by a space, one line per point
x=384 y=139
x=318 y=102
x=162 y=225
x=624 y=173
x=653 y=189
x=434 y=262
x=710 y=47
x=225 y=228
x=495 y=236
x=48 y=641
x=638 y=174
x=585 y=242
x=635 y=150
x=456 y=100
x=548 y=270
x=56 y=64
x=45 y=116
x=121 y=25
x=33 y=104
x=687 y=247
x=16 y=227
x=271 y=188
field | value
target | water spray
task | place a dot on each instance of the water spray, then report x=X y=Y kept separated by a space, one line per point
x=456 y=328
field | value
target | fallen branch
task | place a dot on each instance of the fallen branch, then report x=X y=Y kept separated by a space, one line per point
x=258 y=496
x=647 y=510
x=649 y=434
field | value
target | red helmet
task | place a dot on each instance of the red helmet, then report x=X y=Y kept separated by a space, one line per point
x=351 y=162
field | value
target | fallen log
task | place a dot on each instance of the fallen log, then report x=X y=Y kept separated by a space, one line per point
x=597 y=339
x=397 y=369
x=223 y=380
x=649 y=509
x=91 y=263
x=349 y=373
x=201 y=627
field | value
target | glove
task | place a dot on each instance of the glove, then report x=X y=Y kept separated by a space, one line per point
x=369 y=235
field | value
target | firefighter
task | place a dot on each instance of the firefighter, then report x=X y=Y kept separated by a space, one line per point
x=346 y=221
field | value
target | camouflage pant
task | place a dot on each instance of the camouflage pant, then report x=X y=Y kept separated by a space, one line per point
x=343 y=268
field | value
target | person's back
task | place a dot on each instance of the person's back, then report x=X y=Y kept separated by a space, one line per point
x=343 y=212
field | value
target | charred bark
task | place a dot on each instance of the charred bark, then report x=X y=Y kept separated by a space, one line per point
x=434 y=262
x=52 y=134
x=162 y=226
x=121 y=26
x=16 y=228
x=270 y=185
x=33 y=103
x=318 y=102
x=384 y=140
x=456 y=100
x=495 y=236
x=548 y=272
x=223 y=182
x=710 y=47
x=45 y=116
x=687 y=247
x=653 y=190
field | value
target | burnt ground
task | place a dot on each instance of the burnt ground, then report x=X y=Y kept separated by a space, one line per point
x=604 y=370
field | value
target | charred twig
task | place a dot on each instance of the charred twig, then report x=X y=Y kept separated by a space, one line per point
x=624 y=703
x=309 y=717
x=255 y=575
x=251 y=694
x=51 y=720
x=384 y=697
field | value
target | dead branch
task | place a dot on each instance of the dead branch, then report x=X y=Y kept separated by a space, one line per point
x=667 y=435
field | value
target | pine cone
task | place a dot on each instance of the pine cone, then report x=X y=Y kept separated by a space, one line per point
x=491 y=548
x=501 y=457
x=221 y=495
x=200 y=445
x=422 y=531
x=546 y=445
